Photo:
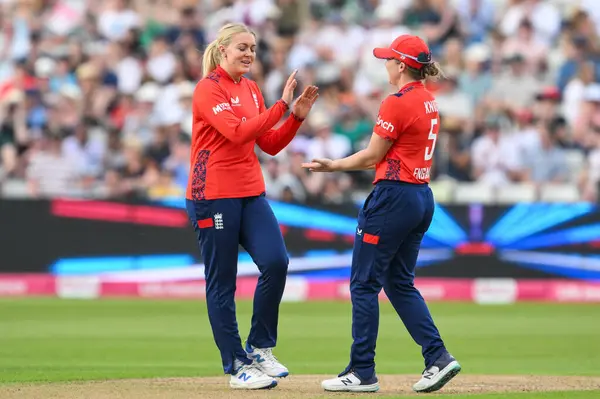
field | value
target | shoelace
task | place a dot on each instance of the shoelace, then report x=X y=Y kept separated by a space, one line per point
x=269 y=356
x=250 y=369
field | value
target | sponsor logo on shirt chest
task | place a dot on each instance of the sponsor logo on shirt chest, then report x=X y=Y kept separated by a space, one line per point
x=221 y=107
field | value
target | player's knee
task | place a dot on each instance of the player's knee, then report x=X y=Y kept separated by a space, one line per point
x=276 y=265
x=401 y=286
x=365 y=286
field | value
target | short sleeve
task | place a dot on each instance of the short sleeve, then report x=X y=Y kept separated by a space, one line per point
x=388 y=119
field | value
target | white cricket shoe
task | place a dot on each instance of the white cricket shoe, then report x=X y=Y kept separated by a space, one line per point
x=351 y=382
x=248 y=376
x=435 y=377
x=266 y=361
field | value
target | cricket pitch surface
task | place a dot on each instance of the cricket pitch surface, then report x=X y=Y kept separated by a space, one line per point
x=293 y=387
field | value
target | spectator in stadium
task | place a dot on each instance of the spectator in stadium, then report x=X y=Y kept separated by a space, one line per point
x=50 y=173
x=545 y=19
x=325 y=143
x=589 y=118
x=574 y=91
x=477 y=17
x=591 y=172
x=475 y=80
x=524 y=43
x=453 y=102
x=515 y=87
x=547 y=164
x=13 y=132
x=496 y=158
x=120 y=68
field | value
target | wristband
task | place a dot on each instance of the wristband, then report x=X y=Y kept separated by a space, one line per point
x=296 y=117
x=285 y=104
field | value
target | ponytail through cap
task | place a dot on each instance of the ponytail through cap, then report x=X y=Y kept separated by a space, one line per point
x=415 y=54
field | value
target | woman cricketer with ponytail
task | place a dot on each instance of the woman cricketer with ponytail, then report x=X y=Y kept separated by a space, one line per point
x=393 y=220
x=226 y=203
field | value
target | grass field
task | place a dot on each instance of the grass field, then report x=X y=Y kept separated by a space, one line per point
x=51 y=341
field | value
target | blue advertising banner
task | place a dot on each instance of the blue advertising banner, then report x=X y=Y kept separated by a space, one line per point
x=71 y=237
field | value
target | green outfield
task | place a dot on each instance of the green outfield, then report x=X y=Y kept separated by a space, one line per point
x=51 y=340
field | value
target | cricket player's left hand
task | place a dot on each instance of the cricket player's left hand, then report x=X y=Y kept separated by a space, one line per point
x=320 y=165
x=304 y=103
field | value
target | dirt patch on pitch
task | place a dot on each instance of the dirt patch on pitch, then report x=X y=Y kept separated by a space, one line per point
x=294 y=387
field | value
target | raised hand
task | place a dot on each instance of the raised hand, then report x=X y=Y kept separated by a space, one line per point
x=319 y=165
x=304 y=103
x=288 y=89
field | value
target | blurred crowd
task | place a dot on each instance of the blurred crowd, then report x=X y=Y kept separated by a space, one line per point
x=95 y=95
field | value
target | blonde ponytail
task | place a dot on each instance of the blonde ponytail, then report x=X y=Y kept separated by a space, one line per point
x=429 y=72
x=212 y=56
x=433 y=72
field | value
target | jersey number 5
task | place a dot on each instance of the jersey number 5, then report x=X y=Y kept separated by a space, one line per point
x=432 y=136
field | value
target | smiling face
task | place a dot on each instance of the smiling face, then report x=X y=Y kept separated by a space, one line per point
x=238 y=56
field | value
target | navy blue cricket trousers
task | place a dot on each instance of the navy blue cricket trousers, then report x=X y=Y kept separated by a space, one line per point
x=221 y=226
x=390 y=229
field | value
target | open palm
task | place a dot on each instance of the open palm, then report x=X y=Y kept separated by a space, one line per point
x=319 y=165
x=304 y=103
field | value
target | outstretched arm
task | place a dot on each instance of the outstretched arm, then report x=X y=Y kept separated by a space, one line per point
x=362 y=160
x=386 y=131
x=276 y=140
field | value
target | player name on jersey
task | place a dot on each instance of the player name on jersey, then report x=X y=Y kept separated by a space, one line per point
x=430 y=107
x=422 y=173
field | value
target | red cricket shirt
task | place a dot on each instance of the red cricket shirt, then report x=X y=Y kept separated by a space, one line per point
x=229 y=118
x=410 y=119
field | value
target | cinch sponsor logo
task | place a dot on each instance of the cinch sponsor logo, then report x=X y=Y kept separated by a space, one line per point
x=386 y=125
x=221 y=107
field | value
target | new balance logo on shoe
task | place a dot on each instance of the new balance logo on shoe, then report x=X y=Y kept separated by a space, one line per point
x=351 y=382
x=264 y=360
x=248 y=376
x=437 y=376
x=258 y=358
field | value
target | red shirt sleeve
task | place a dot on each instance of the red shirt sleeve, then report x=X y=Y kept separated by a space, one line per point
x=391 y=119
x=276 y=140
x=213 y=106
